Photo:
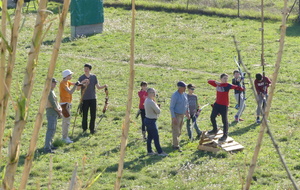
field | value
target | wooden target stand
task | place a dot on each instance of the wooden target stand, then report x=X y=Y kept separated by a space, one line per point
x=211 y=144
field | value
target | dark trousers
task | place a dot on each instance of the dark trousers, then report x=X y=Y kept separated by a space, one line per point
x=86 y=106
x=143 y=116
x=222 y=110
x=152 y=134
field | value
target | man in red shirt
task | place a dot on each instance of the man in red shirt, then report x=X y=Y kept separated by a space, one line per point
x=221 y=104
x=261 y=85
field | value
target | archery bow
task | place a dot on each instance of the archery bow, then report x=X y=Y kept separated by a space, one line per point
x=238 y=63
x=105 y=106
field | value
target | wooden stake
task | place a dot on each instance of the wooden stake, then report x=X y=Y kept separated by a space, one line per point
x=45 y=93
x=2 y=71
x=125 y=125
x=73 y=179
x=268 y=107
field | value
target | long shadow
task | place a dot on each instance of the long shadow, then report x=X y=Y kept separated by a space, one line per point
x=137 y=164
x=244 y=130
x=293 y=30
x=159 y=8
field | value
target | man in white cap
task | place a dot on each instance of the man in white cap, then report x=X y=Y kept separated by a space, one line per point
x=66 y=102
x=178 y=107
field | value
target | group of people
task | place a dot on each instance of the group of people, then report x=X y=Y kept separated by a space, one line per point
x=87 y=83
x=185 y=106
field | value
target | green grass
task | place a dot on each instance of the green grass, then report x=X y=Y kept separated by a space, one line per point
x=170 y=46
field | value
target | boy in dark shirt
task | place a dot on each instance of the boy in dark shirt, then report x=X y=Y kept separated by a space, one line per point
x=221 y=104
x=261 y=85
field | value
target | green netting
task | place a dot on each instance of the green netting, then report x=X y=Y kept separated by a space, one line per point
x=85 y=12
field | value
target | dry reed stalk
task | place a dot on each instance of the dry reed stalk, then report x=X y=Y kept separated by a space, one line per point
x=14 y=149
x=45 y=93
x=2 y=70
x=29 y=77
x=73 y=179
x=50 y=172
x=268 y=107
x=125 y=125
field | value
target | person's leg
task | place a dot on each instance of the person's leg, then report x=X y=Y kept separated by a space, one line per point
x=259 y=107
x=143 y=116
x=93 y=112
x=188 y=128
x=223 y=112
x=176 y=130
x=150 y=136
x=194 y=119
x=156 y=138
x=85 y=109
x=66 y=123
x=51 y=127
x=242 y=105
x=213 y=116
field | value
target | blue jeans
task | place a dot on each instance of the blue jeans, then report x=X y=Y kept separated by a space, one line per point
x=188 y=126
x=152 y=134
x=51 y=128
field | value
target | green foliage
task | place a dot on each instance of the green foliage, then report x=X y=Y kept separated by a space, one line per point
x=170 y=46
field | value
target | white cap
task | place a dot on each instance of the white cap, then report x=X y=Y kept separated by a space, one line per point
x=66 y=73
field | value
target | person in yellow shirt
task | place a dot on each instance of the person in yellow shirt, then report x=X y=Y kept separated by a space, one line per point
x=66 y=102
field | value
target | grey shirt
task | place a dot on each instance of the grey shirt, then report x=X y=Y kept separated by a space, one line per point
x=151 y=108
x=90 y=92
x=193 y=105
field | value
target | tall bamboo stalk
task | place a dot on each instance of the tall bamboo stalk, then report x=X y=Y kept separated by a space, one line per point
x=268 y=107
x=125 y=125
x=24 y=100
x=13 y=152
x=2 y=70
x=45 y=93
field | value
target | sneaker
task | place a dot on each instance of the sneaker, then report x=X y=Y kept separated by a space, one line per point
x=47 y=151
x=223 y=138
x=151 y=153
x=162 y=154
x=67 y=140
x=93 y=132
x=177 y=148
x=238 y=119
x=212 y=132
x=198 y=136
x=258 y=121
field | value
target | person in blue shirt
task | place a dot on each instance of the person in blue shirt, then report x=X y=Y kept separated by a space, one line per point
x=179 y=107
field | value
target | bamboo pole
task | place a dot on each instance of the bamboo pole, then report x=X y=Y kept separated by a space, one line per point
x=13 y=151
x=24 y=99
x=125 y=125
x=268 y=107
x=45 y=93
x=2 y=70
x=73 y=179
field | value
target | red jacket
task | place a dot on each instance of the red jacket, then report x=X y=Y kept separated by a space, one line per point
x=262 y=86
x=143 y=95
x=223 y=91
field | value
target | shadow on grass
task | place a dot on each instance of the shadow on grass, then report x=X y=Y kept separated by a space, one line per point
x=138 y=163
x=293 y=30
x=243 y=130
x=160 y=8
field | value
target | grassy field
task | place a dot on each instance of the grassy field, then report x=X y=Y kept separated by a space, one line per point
x=170 y=46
